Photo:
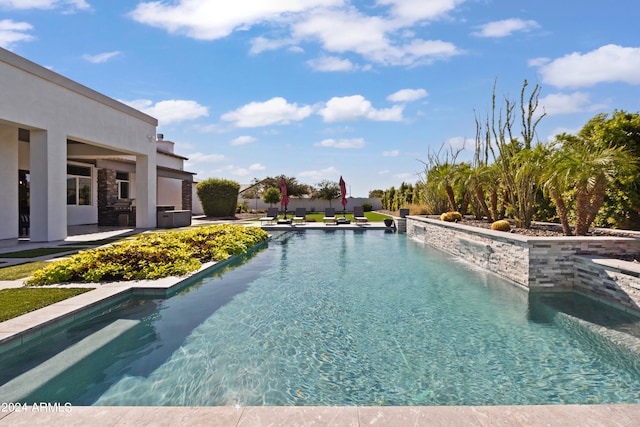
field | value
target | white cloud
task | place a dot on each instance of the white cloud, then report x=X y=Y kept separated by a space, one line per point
x=392 y=153
x=330 y=63
x=329 y=173
x=198 y=157
x=460 y=143
x=505 y=27
x=101 y=57
x=44 y=4
x=12 y=32
x=242 y=171
x=242 y=140
x=262 y=44
x=407 y=95
x=274 y=111
x=369 y=36
x=210 y=20
x=561 y=103
x=387 y=39
x=356 y=107
x=610 y=63
x=171 y=111
x=538 y=62
x=410 y=11
x=341 y=143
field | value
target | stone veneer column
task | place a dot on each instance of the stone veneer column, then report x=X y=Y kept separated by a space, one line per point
x=107 y=196
x=187 y=202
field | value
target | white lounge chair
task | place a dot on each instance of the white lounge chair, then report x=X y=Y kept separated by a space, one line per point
x=272 y=215
x=329 y=215
x=300 y=216
x=358 y=214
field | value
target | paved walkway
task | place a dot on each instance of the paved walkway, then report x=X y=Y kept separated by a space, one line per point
x=30 y=324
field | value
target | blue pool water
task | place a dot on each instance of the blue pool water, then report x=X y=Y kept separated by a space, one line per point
x=337 y=318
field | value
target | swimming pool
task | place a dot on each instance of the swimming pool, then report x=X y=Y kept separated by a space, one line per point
x=337 y=318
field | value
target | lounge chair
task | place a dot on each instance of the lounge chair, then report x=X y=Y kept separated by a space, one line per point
x=329 y=215
x=272 y=215
x=300 y=216
x=358 y=214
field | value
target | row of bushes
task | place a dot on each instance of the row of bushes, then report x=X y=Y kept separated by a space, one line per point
x=152 y=256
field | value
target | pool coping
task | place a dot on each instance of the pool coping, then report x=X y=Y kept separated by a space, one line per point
x=388 y=416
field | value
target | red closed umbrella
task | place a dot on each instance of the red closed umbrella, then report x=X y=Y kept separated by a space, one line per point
x=343 y=195
x=285 y=199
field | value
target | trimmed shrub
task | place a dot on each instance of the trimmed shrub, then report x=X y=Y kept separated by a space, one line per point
x=501 y=225
x=219 y=197
x=367 y=207
x=152 y=256
x=451 y=216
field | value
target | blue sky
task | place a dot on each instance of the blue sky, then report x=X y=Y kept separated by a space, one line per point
x=321 y=88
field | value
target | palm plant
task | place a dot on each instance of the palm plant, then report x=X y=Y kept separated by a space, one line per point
x=587 y=167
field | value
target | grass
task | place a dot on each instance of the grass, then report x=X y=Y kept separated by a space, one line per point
x=34 y=253
x=18 y=301
x=21 y=271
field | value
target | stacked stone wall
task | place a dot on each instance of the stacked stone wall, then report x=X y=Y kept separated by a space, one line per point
x=538 y=263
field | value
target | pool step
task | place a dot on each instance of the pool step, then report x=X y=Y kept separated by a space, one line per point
x=23 y=385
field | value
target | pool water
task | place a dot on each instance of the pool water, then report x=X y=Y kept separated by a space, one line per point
x=340 y=318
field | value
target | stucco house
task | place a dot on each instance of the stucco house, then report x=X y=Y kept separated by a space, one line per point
x=70 y=155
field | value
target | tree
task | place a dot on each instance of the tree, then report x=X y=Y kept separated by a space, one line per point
x=584 y=167
x=294 y=189
x=326 y=190
x=271 y=195
x=376 y=194
x=621 y=207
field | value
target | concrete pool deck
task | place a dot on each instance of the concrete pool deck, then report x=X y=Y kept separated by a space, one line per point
x=350 y=416
x=32 y=324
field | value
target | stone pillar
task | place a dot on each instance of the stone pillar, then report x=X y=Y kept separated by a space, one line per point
x=107 y=195
x=187 y=192
x=48 y=187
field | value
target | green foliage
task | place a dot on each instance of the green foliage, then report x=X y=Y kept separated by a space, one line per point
x=294 y=188
x=152 y=256
x=451 y=216
x=367 y=207
x=501 y=225
x=15 y=272
x=271 y=195
x=376 y=194
x=326 y=190
x=219 y=197
x=393 y=199
x=621 y=207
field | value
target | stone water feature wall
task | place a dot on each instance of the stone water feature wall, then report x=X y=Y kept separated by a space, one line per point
x=539 y=263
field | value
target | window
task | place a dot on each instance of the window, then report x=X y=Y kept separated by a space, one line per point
x=78 y=185
x=122 y=181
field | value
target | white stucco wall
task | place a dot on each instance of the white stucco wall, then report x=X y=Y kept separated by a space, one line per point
x=170 y=192
x=8 y=175
x=55 y=109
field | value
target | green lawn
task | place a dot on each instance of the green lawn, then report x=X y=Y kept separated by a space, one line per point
x=21 y=271
x=17 y=301
x=33 y=253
